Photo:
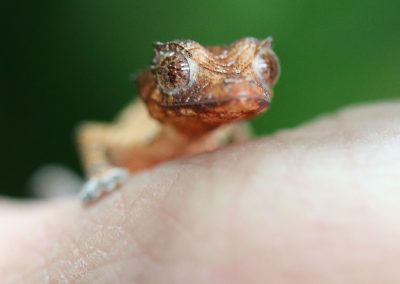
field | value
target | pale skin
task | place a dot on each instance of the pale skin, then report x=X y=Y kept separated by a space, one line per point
x=314 y=204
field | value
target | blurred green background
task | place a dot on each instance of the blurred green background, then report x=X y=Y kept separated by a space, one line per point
x=68 y=61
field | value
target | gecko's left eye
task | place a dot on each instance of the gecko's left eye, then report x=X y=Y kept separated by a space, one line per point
x=266 y=66
x=173 y=73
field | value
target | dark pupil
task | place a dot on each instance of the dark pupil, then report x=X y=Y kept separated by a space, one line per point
x=174 y=72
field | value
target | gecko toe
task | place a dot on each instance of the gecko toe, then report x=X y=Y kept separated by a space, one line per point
x=90 y=190
x=107 y=182
x=113 y=179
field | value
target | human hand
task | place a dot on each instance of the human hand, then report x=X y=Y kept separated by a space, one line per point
x=316 y=204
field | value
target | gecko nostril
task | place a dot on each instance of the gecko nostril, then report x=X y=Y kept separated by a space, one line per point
x=242 y=96
x=232 y=80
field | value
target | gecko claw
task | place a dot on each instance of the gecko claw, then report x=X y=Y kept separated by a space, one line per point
x=106 y=182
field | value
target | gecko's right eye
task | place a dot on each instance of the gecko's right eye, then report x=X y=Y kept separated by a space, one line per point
x=173 y=73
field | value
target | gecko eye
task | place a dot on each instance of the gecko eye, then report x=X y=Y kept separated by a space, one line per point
x=173 y=73
x=266 y=66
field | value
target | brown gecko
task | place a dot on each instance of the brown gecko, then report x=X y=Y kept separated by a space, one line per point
x=193 y=99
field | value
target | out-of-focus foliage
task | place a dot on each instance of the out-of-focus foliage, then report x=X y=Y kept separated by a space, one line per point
x=69 y=61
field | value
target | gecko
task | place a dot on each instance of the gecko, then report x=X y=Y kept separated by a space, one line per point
x=192 y=99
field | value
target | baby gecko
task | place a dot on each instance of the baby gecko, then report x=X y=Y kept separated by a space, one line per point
x=193 y=99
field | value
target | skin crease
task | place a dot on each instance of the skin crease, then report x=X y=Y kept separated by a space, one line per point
x=315 y=204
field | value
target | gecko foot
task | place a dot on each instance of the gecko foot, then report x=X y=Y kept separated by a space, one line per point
x=106 y=182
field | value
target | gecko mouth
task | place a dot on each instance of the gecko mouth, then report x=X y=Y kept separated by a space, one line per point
x=211 y=101
x=221 y=110
x=240 y=95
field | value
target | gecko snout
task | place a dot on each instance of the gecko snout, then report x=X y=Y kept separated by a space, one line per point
x=241 y=95
x=228 y=101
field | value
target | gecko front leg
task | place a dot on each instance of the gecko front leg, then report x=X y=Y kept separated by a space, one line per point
x=98 y=142
x=94 y=142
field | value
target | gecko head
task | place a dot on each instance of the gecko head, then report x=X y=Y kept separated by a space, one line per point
x=196 y=87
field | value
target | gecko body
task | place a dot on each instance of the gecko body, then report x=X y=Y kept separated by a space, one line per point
x=193 y=99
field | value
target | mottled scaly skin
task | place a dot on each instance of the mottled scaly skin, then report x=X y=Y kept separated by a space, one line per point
x=193 y=99
x=225 y=89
